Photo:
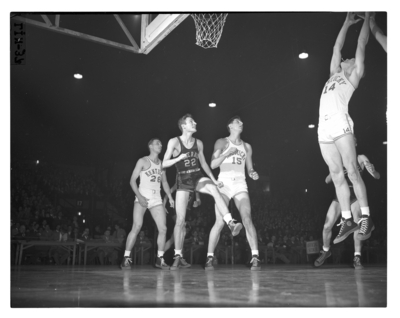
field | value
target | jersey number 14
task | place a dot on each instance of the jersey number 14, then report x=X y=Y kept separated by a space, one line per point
x=330 y=88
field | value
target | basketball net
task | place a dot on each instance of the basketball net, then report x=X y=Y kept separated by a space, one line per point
x=209 y=28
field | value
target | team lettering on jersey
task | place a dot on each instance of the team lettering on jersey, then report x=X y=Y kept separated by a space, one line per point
x=152 y=172
x=337 y=79
x=238 y=157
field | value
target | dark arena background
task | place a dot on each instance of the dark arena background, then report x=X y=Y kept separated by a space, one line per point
x=88 y=92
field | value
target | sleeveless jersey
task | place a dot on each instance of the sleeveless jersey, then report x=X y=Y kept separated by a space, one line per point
x=192 y=161
x=151 y=178
x=233 y=166
x=336 y=95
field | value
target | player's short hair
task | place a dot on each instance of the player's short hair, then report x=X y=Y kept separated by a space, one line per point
x=182 y=120
x=230 y=121
x=151 y=141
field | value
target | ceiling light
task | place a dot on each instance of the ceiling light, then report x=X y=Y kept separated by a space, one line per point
x=78 y=76
x=311 y=126
x=385 y=142
x=303 y=55
x=212 y=104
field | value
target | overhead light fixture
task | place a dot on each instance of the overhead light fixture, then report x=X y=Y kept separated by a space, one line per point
x=212 y=104
x=78 y=76
x=311 y=126
x=385 y=142
x=303 y=55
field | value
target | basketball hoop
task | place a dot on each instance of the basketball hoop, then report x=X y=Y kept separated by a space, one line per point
x=209 y=28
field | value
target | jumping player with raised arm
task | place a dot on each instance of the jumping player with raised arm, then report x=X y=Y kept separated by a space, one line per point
x=148 y=196
x=335 y=127
x=231 y=155
x=334 y=212
x=188 y=156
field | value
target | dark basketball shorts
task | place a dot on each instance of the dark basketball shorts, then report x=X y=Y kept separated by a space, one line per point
x=353 y=197
x=188 y=181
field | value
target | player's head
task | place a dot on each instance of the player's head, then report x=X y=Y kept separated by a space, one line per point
x=155 y=145
x=348 y=65
x=187 y=123
x=235 y=123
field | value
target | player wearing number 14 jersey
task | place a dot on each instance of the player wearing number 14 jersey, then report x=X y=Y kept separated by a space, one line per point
x=232 y=155
x=148 y=197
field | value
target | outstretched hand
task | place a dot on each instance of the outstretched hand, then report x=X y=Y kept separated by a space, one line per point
x=350 y=19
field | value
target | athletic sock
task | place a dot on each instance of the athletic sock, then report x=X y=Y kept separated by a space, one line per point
x=357 y=253
x=127 y=253
x=178 y=252
x=227 y=218
x=160 y=253
x=346 y=214
x=365 y=210
x=210 y=254
x=326 y=249
x=254 y=252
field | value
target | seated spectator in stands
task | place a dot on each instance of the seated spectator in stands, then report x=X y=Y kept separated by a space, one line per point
x=119 y=233
x=46 y=234
x=35 y=233
x=15 y=229
x=97 y=232
x=58 y=253
x=22 y=234
x=43 y=226
x=198 y=254
x=294 y=250
x=107 y=251
x=75 y=223
x=59 y=220
x=143 y=241
x=275 y=246
x=91 y=254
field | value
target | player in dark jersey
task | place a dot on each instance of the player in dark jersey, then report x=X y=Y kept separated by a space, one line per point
x=334 y=212
x=188 y=157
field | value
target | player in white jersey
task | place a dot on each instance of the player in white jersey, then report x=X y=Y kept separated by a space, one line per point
x=335 y=128
x=231 y=155
x=148 y=196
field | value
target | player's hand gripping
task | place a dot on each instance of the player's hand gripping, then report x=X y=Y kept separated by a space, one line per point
x=143 y=201
x=231 y=151
x=350 y=19
x=171 y=201
x=254 y=175
x=219 y=184
x=183 y=156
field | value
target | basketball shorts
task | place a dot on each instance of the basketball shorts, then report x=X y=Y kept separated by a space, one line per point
x=233 y=186
x=333 y=127
x=154 y=197
x=188 y=181
x=353 y=197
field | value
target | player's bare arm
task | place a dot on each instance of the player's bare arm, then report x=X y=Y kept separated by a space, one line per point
x=364 y=162
x=166 y=188
x=249 y=162
x=357 y=74
x=218 y=157
x=172 y=145
x=204 y=164
x=337 y=49
x=141 y=163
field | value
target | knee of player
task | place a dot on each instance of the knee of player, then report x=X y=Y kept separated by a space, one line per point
x=180 y=221
x=328 y=226
x=162 y=230
x=337 y=176
x=353 y=174
x=212 y=189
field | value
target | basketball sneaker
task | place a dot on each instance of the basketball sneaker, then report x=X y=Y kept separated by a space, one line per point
x=126 y=263
x=255 y=263
x=357 y=262
x=366 y=227
x=209 y=264
x=348 y=226
x=322 y=257
x=160 y=263
x=184 y=264
x=235 y=227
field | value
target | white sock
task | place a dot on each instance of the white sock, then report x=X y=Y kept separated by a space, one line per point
x=326 y=249
x=365 y=210
x=160 y=253
x=346 y=214
x=127 y=253
x=178 y=252
x=254 y=252
x=357 y=253
x=210 y=254
x=227 y=218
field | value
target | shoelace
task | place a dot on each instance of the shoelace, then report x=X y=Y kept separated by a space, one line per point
x=342 y=222
x=363 y=226
x=254 y=259
x=209 y=260
x=129 y=260
x=357 y=260
x=183 y=261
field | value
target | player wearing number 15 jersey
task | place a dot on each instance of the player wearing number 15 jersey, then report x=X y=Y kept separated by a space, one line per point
x=231 y=155
x=187 y=155
x=148 y=197
x=335 y=127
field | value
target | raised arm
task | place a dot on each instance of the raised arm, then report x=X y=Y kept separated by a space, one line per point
x=220 y=146
x=168 y=162
x=249 y=162
x=203 y=162
x=136 y=172
x=356 y=76
x=337 y=49
x=377 y=32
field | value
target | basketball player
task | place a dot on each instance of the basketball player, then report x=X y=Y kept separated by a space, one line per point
x=191 y=203
x=335 y=128
x=231 y=155
x=375 y=30
x=148 y=197
x=188 y=156
x=334 y=212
